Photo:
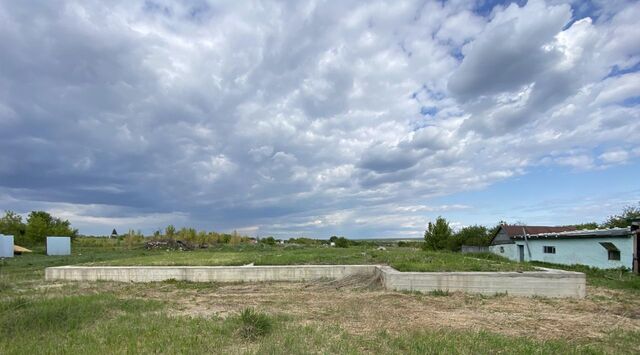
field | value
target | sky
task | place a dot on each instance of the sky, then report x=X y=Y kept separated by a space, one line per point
x=316 y=118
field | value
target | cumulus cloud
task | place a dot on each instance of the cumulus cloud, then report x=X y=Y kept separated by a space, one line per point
x=302 y=117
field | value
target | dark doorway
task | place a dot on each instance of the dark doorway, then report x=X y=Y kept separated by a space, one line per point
x=521 y=253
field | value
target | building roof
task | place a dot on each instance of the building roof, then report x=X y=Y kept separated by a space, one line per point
x=514 y=230
x=586 y=233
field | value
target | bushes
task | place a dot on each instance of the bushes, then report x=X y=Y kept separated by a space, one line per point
x=410 y=244
x=201 y=239
x=268 y=241
x=304 y=241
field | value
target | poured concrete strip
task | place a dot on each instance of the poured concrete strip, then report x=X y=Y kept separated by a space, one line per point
x=206 y=273
x=546 y=282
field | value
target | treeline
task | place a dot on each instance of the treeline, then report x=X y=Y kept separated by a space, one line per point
x=36 y=228
x=191 y=235
x=440 y=236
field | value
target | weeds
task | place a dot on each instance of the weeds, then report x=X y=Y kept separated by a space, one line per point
x=439 y=293
x=254 y=324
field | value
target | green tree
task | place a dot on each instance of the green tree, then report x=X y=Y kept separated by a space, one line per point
x=268 y=241
x=588 y=225
x=41 y=224
x=438 y=234
x=342 y=242
x=11 y=224
x=628 y=215
x=170 y=231
x=473 y=235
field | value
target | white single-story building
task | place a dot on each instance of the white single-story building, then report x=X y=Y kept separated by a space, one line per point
x=600 y=248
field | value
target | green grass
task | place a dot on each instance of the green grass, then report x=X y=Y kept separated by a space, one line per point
x=254 y=324
x=612 y=278
x=403 y=259
x=439 y=293
x=105 y=324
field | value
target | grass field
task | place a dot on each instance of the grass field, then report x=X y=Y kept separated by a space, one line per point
x=403 y=259
x=314 y=317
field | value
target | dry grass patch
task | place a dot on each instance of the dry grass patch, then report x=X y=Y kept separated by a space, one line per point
x=365 y=310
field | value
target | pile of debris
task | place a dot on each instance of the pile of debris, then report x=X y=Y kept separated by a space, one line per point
x=168 y=244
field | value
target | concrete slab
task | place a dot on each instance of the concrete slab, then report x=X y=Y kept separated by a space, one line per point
x=546 y=282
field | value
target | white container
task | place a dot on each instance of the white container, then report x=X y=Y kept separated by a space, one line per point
x=6 y=246
x=58 y=246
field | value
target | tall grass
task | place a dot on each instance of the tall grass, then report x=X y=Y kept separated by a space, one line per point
x=254 y=324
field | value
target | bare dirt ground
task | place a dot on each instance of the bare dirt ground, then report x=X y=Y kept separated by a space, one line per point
x=361 y=307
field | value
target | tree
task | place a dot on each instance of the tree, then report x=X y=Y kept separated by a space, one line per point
x=473 y=235
x=41 y=224
x=170 y=231
x=11 y=224
x=342 y=242
x=268 y=241
x=588 y=225
x=437 y=234
x=628 y=215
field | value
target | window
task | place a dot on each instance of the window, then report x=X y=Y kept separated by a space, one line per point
x=549 y=250
x=614 y=254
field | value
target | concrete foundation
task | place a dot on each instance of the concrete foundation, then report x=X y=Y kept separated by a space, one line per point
x=546 y=282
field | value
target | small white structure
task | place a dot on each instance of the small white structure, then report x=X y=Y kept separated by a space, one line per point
x=58 y=246
x=6 y=246
x=600 y=248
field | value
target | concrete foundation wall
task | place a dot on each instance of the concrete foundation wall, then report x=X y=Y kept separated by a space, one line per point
x=206 y=273
x=547 y=282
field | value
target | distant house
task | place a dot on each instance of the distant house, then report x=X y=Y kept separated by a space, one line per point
x=601 y=248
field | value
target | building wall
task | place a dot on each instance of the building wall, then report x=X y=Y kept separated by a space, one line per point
x=584 y=251
x=509 y=251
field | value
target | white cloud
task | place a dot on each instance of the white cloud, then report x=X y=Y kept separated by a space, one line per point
x=614 y=156
x=303 y=116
